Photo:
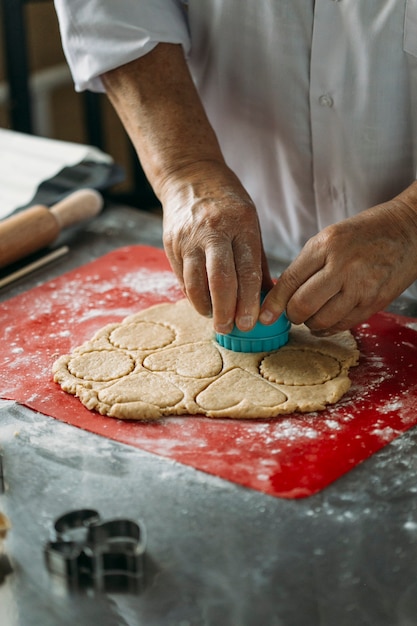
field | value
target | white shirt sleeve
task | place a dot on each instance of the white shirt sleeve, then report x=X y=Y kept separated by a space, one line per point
x=100 y=35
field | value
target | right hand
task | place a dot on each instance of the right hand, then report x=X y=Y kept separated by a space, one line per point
x=213 y=242
x=211 y=230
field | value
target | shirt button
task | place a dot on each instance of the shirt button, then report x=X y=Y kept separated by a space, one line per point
x=326 y=100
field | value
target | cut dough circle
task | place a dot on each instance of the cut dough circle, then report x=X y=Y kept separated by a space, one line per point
x=165 y=361
x=295 y=366
x=142 y=336
x=101 y=365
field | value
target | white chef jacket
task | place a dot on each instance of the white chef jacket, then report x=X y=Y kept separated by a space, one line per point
x=314 y=102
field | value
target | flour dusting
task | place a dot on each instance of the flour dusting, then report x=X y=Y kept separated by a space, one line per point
x=381 y=403
x=152 y=282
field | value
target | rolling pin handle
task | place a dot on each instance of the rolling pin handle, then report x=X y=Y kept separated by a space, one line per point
x=37 y=227
x=80 y=205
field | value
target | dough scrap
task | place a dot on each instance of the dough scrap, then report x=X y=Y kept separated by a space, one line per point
x=165 y=361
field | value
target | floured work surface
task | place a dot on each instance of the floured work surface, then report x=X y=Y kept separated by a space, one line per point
x=292 y=457
x=164 y=361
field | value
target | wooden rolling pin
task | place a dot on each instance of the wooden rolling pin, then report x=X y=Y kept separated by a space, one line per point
x=35 y=228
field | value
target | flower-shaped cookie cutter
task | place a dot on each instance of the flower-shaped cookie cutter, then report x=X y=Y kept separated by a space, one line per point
x=89 y=552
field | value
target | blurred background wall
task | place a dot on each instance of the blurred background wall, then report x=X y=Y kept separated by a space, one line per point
x=57 y=109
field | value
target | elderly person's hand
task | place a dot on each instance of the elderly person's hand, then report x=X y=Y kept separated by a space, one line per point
x=211 y=230
x=350 y=270
x=213 y=241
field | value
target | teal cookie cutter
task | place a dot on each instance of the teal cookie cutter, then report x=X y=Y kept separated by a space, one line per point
x=261 y=338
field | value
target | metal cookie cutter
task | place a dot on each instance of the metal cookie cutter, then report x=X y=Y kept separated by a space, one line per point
x=87 y=552
x=1 y=475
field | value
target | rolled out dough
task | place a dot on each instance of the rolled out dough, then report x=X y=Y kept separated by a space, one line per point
x=165 y=361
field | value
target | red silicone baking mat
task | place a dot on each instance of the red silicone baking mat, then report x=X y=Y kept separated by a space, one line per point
x=289 y=457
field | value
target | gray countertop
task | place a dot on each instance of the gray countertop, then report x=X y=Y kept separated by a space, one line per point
x=217 y=553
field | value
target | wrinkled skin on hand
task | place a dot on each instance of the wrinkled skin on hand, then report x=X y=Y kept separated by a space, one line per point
x=211 y=231
x=350 y=270
x=212 y=239
x=343 y=275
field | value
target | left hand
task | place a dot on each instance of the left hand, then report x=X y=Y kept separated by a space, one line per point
x=350 y=270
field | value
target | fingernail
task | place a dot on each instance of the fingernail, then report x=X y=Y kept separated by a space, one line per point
x=266 y=317
x=245 y=322
x=224 y=329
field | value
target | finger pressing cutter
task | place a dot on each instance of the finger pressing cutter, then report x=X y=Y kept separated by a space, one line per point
x=262 y=338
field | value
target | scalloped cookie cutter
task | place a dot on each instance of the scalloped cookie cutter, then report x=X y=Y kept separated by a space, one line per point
x=261 y=338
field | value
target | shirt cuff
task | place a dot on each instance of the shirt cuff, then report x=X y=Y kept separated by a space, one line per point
x=100 y=35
